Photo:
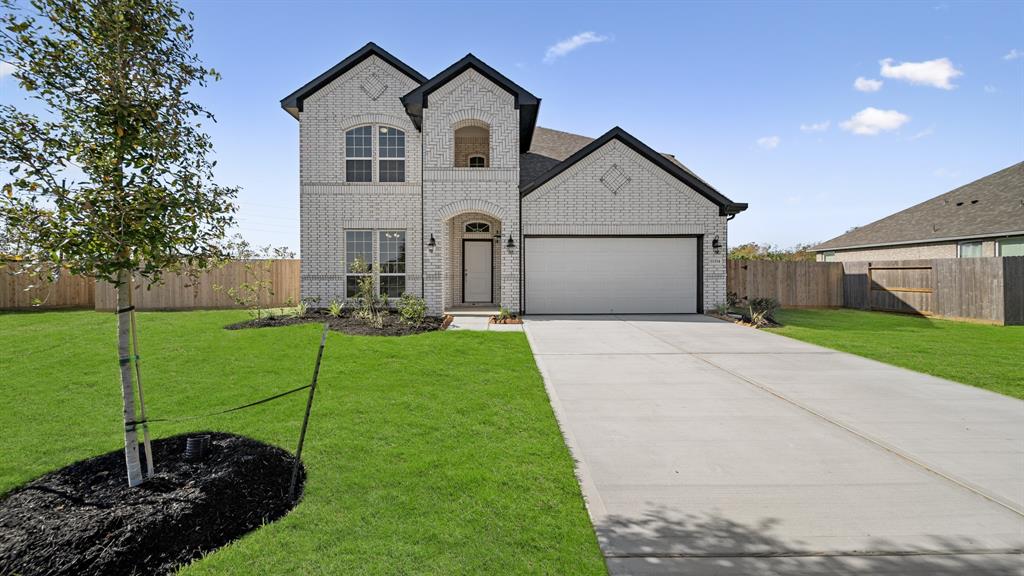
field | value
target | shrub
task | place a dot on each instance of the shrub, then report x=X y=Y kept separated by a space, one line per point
x=412 y=309
x=372 y=306
x=504 y=314
x=335 y=308
x=762 y=311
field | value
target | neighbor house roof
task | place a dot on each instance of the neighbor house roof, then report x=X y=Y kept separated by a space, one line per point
x=527 y=104
x=553 y=152
x=990 y=206
x=293 y=102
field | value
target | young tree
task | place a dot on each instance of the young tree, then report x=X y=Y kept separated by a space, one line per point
x=112 y=179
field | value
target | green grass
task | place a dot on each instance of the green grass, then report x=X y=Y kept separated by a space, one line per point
x=428 y=454
x=977 y=354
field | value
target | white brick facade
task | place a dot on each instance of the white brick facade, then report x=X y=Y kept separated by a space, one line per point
x=576 y=202
x=437 y=199
x=329 y=205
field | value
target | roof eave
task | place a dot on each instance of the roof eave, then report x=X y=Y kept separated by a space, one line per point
x=823 y=248
x=293 y=102
x=726 y=207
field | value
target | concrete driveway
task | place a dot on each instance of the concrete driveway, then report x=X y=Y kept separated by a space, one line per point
x=710 y=448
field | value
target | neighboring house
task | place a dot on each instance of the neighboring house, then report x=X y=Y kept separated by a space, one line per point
x=983 y=218
x=448 y=185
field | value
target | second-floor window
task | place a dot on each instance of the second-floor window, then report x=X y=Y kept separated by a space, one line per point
x=359 y=154
x=392 y=154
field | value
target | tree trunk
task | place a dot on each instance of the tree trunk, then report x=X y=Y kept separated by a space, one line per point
x=131 y=442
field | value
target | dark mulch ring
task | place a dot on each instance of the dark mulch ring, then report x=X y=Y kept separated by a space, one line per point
x=84 y=519
x=348 y=323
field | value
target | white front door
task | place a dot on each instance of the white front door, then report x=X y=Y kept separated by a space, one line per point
x=477 y=271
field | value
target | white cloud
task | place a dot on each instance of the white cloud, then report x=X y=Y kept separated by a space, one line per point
x=569 y=44
x=923 y=134
x=990 y=89
x=1014 y=54
x=769 y=142
x=6 y=68
x=937 y=73
x=816 y=126
x=871 y=121
x=867 y=84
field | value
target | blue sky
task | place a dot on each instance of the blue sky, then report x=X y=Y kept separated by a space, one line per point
x=757 y=98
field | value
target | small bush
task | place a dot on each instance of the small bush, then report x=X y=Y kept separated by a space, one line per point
x=372 y=306
x=762 y=311
x=335 y=308
x=504 y=314
x=412 y=309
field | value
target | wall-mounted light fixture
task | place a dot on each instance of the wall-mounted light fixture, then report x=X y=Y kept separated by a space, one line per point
x=511 y=244
x=431 y=244
x=716 y=245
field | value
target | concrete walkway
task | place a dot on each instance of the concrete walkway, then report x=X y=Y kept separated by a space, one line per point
x=710 y=448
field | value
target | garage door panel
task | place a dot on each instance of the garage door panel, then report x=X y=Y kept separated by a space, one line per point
x=578 y=275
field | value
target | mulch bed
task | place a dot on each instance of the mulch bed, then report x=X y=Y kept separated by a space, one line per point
x=85 y=520
x=744 y=320
x=347 y=323
x=513 y=320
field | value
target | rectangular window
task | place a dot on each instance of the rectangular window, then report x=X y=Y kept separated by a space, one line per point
x=359 y=154
x=828 y=257
x=392 y=262
x=358 y=259
x=391 y=148
x=1011 y=246
x=969 y=250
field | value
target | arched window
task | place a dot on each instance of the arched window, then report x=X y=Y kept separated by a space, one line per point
x=359 y=154
x=478 y=227
x=472 y=146
x=392 y=154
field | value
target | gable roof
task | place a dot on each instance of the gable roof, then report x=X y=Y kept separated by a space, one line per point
x=292 y=103
x=527 y=104
x=989 y=206
x=556 y=143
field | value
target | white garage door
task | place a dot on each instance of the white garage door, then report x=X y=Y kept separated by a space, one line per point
x=626 y=275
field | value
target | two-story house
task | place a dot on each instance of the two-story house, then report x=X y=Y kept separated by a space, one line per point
x=449 y=187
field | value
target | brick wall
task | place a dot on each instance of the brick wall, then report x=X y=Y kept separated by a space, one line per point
x=906 y=252
x=448 y=191
x=329 y=205
x=651 y=202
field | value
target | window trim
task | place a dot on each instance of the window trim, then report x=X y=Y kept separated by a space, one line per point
x=960 y=246
x=348 y=265
x=486 y=230
x=380 y=158
x=370 y=157
x=999 y=243
x=405 y=263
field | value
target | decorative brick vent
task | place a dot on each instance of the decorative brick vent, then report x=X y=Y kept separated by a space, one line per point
x=374 y=87
x=614 y=178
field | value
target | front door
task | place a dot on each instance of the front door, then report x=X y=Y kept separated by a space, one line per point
x=476 y=270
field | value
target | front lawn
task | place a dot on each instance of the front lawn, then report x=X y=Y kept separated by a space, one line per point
x=990 y=357
x=429 y=454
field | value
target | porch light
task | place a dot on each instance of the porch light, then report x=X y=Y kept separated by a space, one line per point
x=511 y=244
x=717 y=245
x=432 y=243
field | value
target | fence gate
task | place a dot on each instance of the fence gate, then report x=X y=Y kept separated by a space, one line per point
x=898 y=288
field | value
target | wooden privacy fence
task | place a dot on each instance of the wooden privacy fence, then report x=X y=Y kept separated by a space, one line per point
x=174 y=293
x=793 y=284
x=979 y=289
x=26 y=291
x=177 y=292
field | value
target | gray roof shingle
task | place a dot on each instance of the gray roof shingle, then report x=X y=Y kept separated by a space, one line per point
x=990 y=206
